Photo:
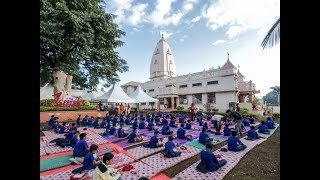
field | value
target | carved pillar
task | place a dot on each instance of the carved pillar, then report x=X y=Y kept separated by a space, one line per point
x=242 y=98
x=172 y=103
x=251 y=98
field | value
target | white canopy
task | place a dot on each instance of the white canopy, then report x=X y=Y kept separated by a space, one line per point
x=116 y=94
x=140 y=96
x=91 y=95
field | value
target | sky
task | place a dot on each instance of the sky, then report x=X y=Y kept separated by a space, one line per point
x=199 y=33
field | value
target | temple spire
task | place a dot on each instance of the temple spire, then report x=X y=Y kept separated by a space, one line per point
x=228 y=55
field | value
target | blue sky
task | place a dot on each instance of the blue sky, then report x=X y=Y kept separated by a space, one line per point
x=200 y=33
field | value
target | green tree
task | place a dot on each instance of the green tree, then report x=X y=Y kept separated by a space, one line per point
x=273 y=36
x=77 y=43
x=273 y=96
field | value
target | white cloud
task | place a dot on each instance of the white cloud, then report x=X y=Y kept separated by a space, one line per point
x=195 y=19
x=220 y=41
x=244 y=15
x=188 y=6
x=234 y=31
x=135 y=29
x=181 y=40
x=119 y=8
x=166 y=34
x=138 y=11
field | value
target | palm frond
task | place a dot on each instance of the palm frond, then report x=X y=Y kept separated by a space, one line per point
x=273 y=36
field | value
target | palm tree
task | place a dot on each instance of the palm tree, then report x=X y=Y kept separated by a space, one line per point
x=273 y=36
x=277 y=90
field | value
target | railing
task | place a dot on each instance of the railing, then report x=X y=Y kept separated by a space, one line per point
x=246 y=86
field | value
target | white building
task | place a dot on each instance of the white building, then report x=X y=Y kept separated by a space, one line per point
x=207 y=89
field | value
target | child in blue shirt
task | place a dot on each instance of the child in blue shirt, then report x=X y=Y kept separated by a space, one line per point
x=181 y=133
x=96 y=123
x=133 y=137
x=51 y=121
x=263 y=128
x=90 y=121
x=81 y=148
x=74 y=139
x=84 y=121
x=113 y=129
x=135 y=123
x=164 y=121
x=209 y=160
x=246 y=122
x=251 y=119
x=189 y=125
x=121 y=132
x=234 y=143
x=128 y=121
x=142 y=124
x=70 y=134
x=154 y=141
x=72 y=126
x=103 y=124
x=173 y=123
x=62 y=128
x=252 y=134
x=151 y=125
x=181 y=119
x=226 y=130
x=169 y=148
x=166 y=129
x=78 y=120
x=115 y=119
x=89 y=162
x=204 y=137
x=270 y=123
x=157 y=120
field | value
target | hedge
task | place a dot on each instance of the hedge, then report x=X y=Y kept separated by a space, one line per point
x=52 y=108
x=276 y=115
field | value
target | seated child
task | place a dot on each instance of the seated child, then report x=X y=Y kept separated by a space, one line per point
x=51 y=121
x=104 y=169
x=166 y=129
x=157 y=120
x=135 y=123
x=154 y=141
x=252 y=134
x=270 y=123
x=89 y=162
x=103 y=124
x=81 y=148
x=209 y=160
x=170 y=148
x=181 y=119
x=234 y=143
x=164 y=121
x=246 y=122
x=133 y=137
x=226 y=130
x=62 y=128
x=151 y=125
x=200 y=122
x=90 y=121
x=188 y=125
x=263 y=128
x=115 y=119
x=121 y=120
x=128 y=121
x=96 y=123
x=218 y=128
x=121 y=132
x=173 y=123
x=72 y=126
x=204 y=137
x=251 y=119
x=142 y=124
x=74 y=139
x=181 y=133
x=78 y=120
x=70 y=134
x=84 y=121
x=113 y=129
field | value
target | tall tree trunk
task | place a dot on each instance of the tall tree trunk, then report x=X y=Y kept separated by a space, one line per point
x=68 y=84
x=59 y=78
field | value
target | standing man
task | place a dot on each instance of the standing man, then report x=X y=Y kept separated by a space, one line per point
x=237 y=107
x=236 y=116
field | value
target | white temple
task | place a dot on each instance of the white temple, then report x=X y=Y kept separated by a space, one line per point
x=206 y=89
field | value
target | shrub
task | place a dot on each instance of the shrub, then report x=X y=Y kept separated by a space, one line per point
x=250 y=114
x=43 y=101
x=244 y=111
x=180 y=108
x=53 y=108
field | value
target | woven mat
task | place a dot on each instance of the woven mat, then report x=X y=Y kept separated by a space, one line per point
x=232 y=159
x=141 y=152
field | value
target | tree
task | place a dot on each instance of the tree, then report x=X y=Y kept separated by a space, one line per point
x=77 y=42
x=273 y=36
x=273 y=96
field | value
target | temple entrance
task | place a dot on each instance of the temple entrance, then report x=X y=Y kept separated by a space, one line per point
x=168 y=102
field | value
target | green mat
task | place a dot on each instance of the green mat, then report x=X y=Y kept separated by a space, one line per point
x=195 y=143
x=271 y=131
x=52 y=163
